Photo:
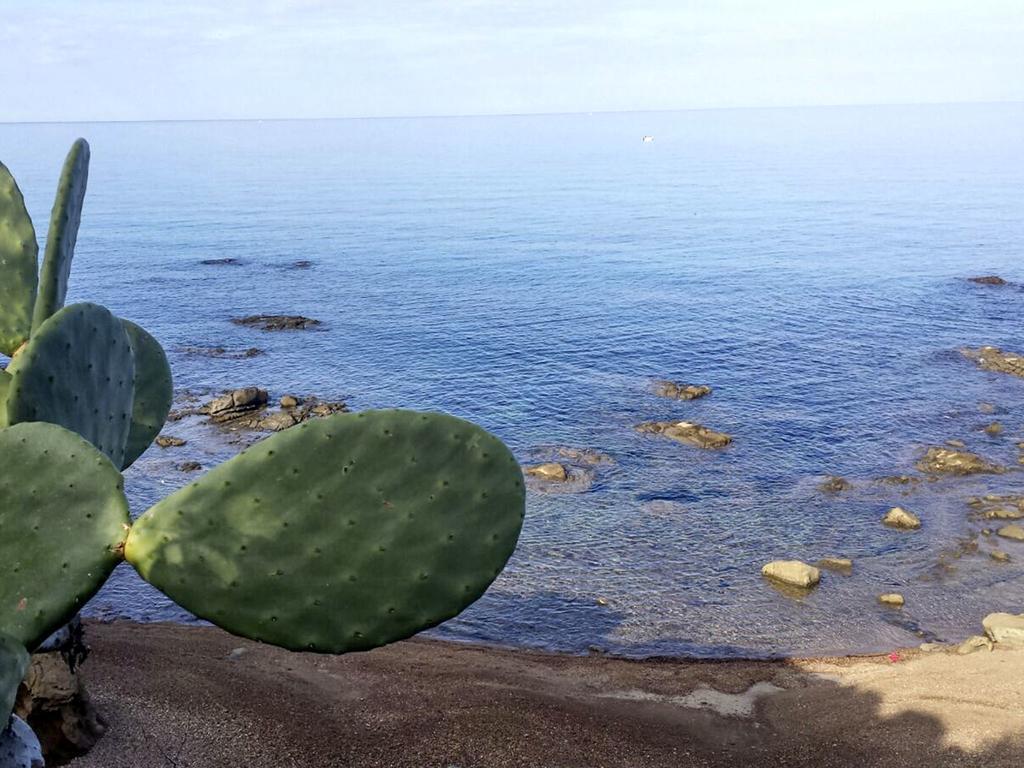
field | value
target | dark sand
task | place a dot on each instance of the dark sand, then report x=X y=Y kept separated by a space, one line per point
x=177 y=696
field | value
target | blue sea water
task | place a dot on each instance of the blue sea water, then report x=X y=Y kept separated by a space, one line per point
x=535 y=274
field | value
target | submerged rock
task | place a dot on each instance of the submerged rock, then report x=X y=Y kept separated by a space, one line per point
x=842 y=565
x=893 y=599
x=995 y=359
x=552 y=471
x=795 y=573
x=835 y=484
x=1004 y=514
x=276 y=322
x=169 y=441
x=1005 y=628
x=949 y=461
x=221 y=352
x=677 y=391
x=994 y=429
x=1012 y=532
x=190 y=466
x=999 y=556
x=686 y=432
x=584 y=456
x=230 y=261
x=987 y=280
x=898 y=517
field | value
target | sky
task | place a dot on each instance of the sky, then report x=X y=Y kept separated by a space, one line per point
x=76 y=60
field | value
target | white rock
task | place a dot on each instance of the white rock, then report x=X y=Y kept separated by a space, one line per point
x=792 y=572
x=898 y=517
x=1005 y=628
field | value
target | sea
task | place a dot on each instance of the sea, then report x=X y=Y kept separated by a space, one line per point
x=536 y=275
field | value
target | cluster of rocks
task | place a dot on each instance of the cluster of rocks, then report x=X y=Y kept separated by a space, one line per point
x=995 y=359
x=677 y=391
x=247 y=408
x=276 y=322
x=221 y=352
x=566 y=470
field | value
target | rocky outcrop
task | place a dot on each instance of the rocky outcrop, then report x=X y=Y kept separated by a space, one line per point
x=677 y=391
x=247 y=408
x=276 y=322
x=950 y=461
x=54 y=702
x=974 y=644
x=898 y=517
x=686 y=432
x=1012 y=532
x=987 y=280
x=995 y=359
x=237 y=403
x=892 y=599
x=221 y=352
x=793 y=573
x=1005 y=629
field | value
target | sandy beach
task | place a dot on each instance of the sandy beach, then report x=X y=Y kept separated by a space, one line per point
x=186 y=697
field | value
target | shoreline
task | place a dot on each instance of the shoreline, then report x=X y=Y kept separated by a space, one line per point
x=180 y=695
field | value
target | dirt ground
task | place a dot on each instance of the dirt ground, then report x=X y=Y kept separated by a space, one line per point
x=196 y=697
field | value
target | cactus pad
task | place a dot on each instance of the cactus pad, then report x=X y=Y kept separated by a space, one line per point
x=341 y=534
x=77 y=371
x=63 y=518
x=18 y=256
x=63 y=233
x=153 y=392
x=5 y=382
x=13 y=665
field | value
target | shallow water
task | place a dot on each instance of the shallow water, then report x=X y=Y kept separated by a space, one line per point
x=534 y=274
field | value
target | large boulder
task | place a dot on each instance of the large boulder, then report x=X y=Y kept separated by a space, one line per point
x=795 y=573
x=898 y=517
x=686 y=432
x=1005 y=628
x=950 y=461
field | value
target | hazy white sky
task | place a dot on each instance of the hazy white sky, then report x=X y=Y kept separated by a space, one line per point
x=135 y=59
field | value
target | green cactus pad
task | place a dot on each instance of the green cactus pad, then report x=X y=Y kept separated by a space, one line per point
x=5 y=383
x=18 y=265
x=341 y=534
x=77 y=371
x=63 y=520
x=13 y=665
x=63 y=232
x=153 y=392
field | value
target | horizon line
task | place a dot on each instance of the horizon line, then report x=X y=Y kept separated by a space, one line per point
x=508 y=114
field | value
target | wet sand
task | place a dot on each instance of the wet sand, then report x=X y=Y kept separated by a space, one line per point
x=187 y=697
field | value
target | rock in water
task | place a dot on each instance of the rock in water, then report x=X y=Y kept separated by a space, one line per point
x=792 y=572
x=987 y=280
x=949 y=461
x=552 y=471
x=893 y=599
x=19 y=747
x=994 y=359
x=841 y=564
x=676 y=391
x=1012 y=532
x=168 y=441
x=835 y=484
x=276 y=322
x=289 y=401
x=237 y=403
x=898 y=517
x=1005 y=628
x=686 y=432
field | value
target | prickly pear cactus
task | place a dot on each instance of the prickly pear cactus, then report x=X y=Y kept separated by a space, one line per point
x=63 y=233
x=154 y=391
x=18 y=264
x=63 y=521
x=77 y=370
x=13 y=665
x=339 y=535
x=5 y=382
x=19 y=747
